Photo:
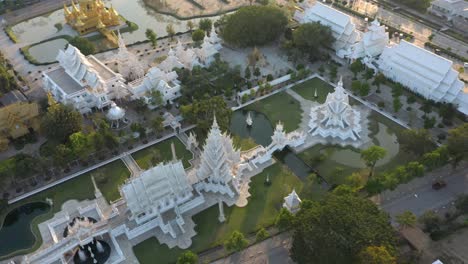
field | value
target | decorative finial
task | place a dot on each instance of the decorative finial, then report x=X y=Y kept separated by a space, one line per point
x=340 y=83
x=215 y=122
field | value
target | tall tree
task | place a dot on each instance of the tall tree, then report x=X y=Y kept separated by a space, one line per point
x=190 y=25
x=338 y=228
x=376 y=255
x=170 y=31
x=284 y=219
x=371 y=155
x=313 y=39
x=254 y=25
x=198 y=35
x=188 y=257
x=202 y=113
x=152 y=37
x=80 y=144
x=205 y=25
x=457 y=143
x=61 y=121
x=236 y=242
x=406 y=219
x=417 y=141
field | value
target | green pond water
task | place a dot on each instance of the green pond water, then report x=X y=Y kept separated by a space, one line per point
x=15 y=233
x=41 y=28
x=47 y=51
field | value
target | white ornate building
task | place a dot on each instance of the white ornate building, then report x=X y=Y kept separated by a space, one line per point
x=425 y=73
x=83 y=82
x=336 y=118
x=371 y=45
x=129 y=66
x=218 y=166
x=343 y=29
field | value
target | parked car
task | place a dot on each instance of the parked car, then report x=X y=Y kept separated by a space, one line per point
x=439 y=184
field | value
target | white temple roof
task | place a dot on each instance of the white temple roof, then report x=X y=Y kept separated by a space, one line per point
x=292 y=200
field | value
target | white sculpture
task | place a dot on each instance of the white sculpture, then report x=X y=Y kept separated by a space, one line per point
x=292 y=202
x=335 y=118
x=192 y=142
x=206 y=52
x=249 y=120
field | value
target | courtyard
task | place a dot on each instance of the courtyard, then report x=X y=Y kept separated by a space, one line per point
x=162 y=152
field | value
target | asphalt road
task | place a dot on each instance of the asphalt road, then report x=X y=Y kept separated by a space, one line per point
x=418 y=196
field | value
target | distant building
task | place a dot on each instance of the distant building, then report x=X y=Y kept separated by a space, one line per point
x=17 y=117
x=90 y=15
x=343 y=29
x=455 y=11
x=424 y=72
x=292 y=202
x=83 y=82
x=371 y=44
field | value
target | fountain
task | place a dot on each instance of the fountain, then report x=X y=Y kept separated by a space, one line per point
x=82 y=255
x=249 y=120
x=99 y=247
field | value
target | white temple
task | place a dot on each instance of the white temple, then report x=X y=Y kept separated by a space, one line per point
x=206 y=52
x=83 y=82
x=371 y=45
x=171 y=62
x=129 y=66
x=292 y=202
x=425 y=73
x=343 y=29
x=335 y=118
x=164 y=82
x=217 y=170
x=186 y=57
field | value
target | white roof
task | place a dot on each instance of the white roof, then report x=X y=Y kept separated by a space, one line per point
x=424 y=57
x=330 y=14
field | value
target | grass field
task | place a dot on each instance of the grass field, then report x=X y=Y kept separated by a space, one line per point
x=261 y=211
x=280 y=107
x=144 y=156
x=108 y=178
x=307 y=90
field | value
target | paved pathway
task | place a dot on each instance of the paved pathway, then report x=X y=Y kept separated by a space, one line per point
x=74 y=175
x=131 y=164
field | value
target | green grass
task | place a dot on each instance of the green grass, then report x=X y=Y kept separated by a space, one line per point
x=263 y=206
x=108 y=178
x=280 y=107
x=143 y=157
x=307 y=90
x=243 y=143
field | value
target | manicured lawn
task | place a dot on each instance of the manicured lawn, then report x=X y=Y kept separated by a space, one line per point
x=335 y=172
x=307 y=90
x=280 y=107
x=108 y=178
x=143 y=157
x=243 y=143
x=262 y=209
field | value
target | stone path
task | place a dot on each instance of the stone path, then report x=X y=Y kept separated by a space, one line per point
x=131 y=164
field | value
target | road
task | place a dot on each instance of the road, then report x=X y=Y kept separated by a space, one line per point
x=418 y=196
x=274 y=250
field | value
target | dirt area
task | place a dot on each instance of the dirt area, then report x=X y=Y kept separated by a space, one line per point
x=185 y=8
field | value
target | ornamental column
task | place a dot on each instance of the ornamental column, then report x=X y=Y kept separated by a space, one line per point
x=221 y=216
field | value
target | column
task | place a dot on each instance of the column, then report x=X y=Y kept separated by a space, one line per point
x=221 y=216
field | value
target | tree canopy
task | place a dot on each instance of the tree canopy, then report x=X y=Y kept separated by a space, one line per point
x=61 y=121
x=417 y=141
x=338 y=228
x=205 y=25
x=254 y=25
x=201 y=112
x=152 y=37
x=313 y=39
x=236 y=241
x=457 y=143
x=83 y=44
x=198 y=35
x=371 y=155
x=376 y=255
x=188 y=257
x=420 y=5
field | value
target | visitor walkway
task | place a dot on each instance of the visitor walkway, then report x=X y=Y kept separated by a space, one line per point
x=131 y=164
x=74 y=175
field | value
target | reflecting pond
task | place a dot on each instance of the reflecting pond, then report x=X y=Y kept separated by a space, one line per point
x=47 y=51
x=16 y=233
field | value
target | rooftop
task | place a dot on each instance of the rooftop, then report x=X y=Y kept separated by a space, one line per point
x=337 y=17
x=11 y=98
x=64 y=81
x=104 y=72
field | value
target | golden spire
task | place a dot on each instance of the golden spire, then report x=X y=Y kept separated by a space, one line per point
x=66 y=10
x=100 y=24
x=75 y=9
x=113 y=12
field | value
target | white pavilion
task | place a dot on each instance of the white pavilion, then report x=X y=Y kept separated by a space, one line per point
x=292 y=202
x=425 y=73
x=129 y=66
x=335 y=118
x=84 y=82
x=343 y=29
x=116 y=115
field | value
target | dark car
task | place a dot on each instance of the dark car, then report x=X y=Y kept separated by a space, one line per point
x=439 y=184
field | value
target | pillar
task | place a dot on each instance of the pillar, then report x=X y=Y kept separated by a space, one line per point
x=221 y=216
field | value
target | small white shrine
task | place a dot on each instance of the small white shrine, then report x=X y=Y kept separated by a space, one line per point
x=292 y=202
x=171 y=62
x=206 y=52
x=192 y=142
x=336 y=118
x=186 y=57
x=116 y=115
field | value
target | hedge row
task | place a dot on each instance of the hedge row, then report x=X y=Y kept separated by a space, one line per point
x=446 y=51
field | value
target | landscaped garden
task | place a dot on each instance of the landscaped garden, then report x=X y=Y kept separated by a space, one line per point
x=108 y=178
x=162 y=152
x=307 y=90
x=280 y=107
x=264 y=205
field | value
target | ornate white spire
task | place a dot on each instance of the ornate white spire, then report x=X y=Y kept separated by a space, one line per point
x=218 y=161
x=128 y=64
x=292 y=202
